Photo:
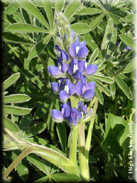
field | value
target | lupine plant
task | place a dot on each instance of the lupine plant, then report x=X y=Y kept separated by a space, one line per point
x=68 y=75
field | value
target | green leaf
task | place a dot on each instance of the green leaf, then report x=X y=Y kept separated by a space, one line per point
x=112 y=42
x=11 y=8
x=8 y=82
x=25 y=16
x=123 y=86
x=102 y=78
x=80 y=28
x=19 y=111
x=62 y=177
x=16 y=98
x=118 y=23
x=8 y=18
x=9 y=124
x=61 y=131
x=99 y=95
x=130 y=66
x=93 y=56
x=25 y=28
x=114 y=126
x=96 y=21
x=9 y=37
x=113 y=89
x=38 y=47
x=33 y=10
x=72 y=8
x=127 y=40
x=30 y=76
x=48 y=11
x=129 y=18
x=92 y=159
x=34 y=130
x=35 y=160
x=91 y=44
x=110 y=144
x=89 y=11
x=103 y=88
x=25 y=121
x=59 y=5
x=43 y=179
x=107 y=35
x=22 y=169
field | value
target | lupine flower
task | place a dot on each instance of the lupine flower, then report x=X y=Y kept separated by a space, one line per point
x=84 y=89
x=69 y=89
x=59 y=71
x=83 y=108
x=73 y=116
x=80 y=68
x=65 y=88
x=77 y=49
x=59 y=116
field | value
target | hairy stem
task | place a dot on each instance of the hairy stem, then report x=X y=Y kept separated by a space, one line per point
x=84 y=168
x=90 y=129
x=73 y=145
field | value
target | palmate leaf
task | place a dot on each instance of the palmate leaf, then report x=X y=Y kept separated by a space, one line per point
x=130 y=67
x=33 y=10
x=9 y=37
x=34 y=130
x=72 y=8
x=7 y=123
x=59 y=5
x=30 y=76
x=80 y=28
x=8 y=82
x=96 y=21
x=38 y=47
x=102 y=78
x=127 y=40
x=16 y=98
x=99 y=95
x=8 y=109
x=11 y=8
x=123 y=86
x=88 y=11
x=48 y=10
x=93 y=56
x=91 y=44
x=25 y=28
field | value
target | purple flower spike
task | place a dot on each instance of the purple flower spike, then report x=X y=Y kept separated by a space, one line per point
x=55 y=86
x=56 y=115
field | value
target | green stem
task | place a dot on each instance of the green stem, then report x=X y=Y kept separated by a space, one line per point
x=73 y=145
x=90 y=129
x=84 y=168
